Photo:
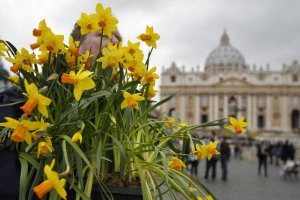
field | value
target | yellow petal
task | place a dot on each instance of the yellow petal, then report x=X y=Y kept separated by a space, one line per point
x=43 y=110
x=77 y=92
x=44 y=100
x=28 y=138
x=232 y=120
x=59 y=187
x=229 y=127
x=86 y=84
x=242 y=119
x=124 y=104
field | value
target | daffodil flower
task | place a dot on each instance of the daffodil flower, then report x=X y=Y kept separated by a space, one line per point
x=176 y=163
x=88 y=23
x=169 y=122
x=134 y=50
x=77 y=137
x=131 y=100
x=45 y=147
x=112 y=56
x=149 y=37
x=35 y=99
x=237 y=125
x=22 y=60
x=52 y=182
x=3 y=47
x=21 y=129
x=81 y=82
x=106 y=22
x=73 y=46
x=150 y=77
x=207 y=150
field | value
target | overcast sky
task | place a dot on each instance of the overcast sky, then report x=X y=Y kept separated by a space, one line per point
x=265 y=31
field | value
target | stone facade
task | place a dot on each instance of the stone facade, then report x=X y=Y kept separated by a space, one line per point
x=269 y=99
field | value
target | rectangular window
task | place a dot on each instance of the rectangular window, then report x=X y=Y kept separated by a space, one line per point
x=260 y=121
x=204 y=118
x=295 y=77
x=173 y=79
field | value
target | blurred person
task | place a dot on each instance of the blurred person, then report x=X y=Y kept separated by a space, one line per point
x=285 y=152
x=277 y=152
x=262 y=153
x=225 y=156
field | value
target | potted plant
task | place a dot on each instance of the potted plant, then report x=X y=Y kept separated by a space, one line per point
x=87 y=127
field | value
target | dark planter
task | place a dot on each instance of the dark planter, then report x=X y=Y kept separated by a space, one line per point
x=9 y=175
x=120 y=193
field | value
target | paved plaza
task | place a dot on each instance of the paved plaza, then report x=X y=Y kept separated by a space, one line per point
x=244 y=183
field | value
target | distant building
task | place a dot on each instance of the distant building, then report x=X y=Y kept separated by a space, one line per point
x=3 y=82
x=269 y=99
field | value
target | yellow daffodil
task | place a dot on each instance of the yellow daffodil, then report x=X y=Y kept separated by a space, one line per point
x=81 y=81
x=149 y=37
x=134 y=50
x=131 y=62
x=211 y=149
x=73 y=46
x=131 y=100
x=77 y=137
x=201 y=151
x=43 y=58
x=22 y=60
x=52 y=182
x=176 y=163
x=70 y=59
x=4 y=48
x=106 y=22
x=45 y=147
x=88 y=23
x=150 y=76
x=35 y=99
x=112 y=56
x=43 y=28
x=21 y=129
x=14 y=79
x=207 y=150
x=237 y=125
x=52 y=42
x=209 y=197
x=169 y=122
x=152 y=92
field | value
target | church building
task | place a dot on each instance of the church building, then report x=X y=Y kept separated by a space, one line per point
x=268 y=99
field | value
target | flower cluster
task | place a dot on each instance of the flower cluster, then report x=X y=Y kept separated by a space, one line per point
x=92 y=114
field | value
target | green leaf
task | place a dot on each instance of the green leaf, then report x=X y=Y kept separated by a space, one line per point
x=23 y=179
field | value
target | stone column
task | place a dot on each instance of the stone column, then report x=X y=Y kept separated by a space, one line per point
x=197 y=110
x=269 y=112
x=284 y=113
x=254 y=113
x=182 y=110
x=249 y=111
x=210 y=107
x=239 y=104
x=225 y=106
x=216 y=107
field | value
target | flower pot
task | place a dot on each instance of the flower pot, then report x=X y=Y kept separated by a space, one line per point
x=119 y=193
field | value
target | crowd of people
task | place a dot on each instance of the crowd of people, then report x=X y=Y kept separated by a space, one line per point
x=280 y=154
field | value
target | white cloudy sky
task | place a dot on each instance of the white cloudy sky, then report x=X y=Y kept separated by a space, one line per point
x=265 y=31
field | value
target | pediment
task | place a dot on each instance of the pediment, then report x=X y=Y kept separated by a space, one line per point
x=236 y=82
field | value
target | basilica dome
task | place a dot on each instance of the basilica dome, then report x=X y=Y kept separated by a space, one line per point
x=225 y=58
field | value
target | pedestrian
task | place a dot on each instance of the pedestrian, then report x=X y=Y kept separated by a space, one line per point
x=225 y=156
x=285 y=152
x=211 y=164
x=262 y=154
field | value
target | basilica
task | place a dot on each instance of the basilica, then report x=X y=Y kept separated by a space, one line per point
x=268 y=99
